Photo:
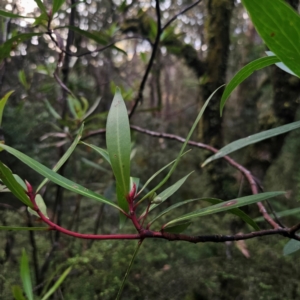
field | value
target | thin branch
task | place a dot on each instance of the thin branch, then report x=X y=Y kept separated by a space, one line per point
x=180 y=13
x=151 y=61
x=99 y=49
x=143 y=233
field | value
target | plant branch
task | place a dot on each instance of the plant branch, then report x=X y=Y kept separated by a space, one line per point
x=151 y=61
x=250 y=178
x=180 y=13
x=145 y=233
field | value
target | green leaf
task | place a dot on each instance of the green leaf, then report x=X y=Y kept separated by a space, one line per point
x=41 y=6
x=23 y=80
x=167 y=193
x=12 y=43
x=158 y=172
x=136 y=181
x=92 y=108
x=224 y=206
x=281 y=65
x=74 y=106
x=290 y=247
x=101 y=151
x=57 y=5
x=178 y=228
x=119 y=146
x=65 y=157
x=182 y=148
x=7 y=14
x=279 y=27
x=252 y=139
x=25 y=276
x=94 y=165
x=41 y=205
x=3 y=101
x=234 y=211
x=98 y=37
x=56 y=178
x=17 y=292
x=243 y=74
x=11 y=183
x=51 y=109
x=285 y=213
x=57 y=284
x=20 y=182
x=22 y=228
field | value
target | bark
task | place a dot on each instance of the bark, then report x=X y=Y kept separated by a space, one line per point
x=218 y=42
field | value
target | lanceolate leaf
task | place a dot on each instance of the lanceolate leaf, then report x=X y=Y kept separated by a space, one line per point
x=163 y=196
x=41 y=6
x=224 y=206
x=243 y=74
x=11 y=183
x=53 y=112
x=95 y=37
x=25 y=276
x=92 y=108
x=101 y=151
x=56 y=178
x=65 y=157
x=119 y=146
x=279 y=26
x=235 y=211
x=252 y=139
x=57 y=284
x=41 y=205
x=290 y=247
x=7 y=14
x=289 y=212
x=3 y=103
x=57 y=5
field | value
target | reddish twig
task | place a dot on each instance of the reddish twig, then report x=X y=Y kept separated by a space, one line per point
x=145 y=233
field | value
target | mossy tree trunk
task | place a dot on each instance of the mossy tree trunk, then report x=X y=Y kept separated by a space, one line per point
x=218 y=41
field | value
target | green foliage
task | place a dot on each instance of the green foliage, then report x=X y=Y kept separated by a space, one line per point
x=58 y=179
x=25 y=276
x=3 y=101
x=243 y=74
x=119 y=147
x=255 y=138
x=278 y=25
x=224 y=206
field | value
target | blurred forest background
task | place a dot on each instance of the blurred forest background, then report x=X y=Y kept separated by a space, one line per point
x=200 y=50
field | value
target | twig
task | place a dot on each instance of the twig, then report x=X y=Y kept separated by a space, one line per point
x=180 y=13
x=99 y=49
x=150 y=64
